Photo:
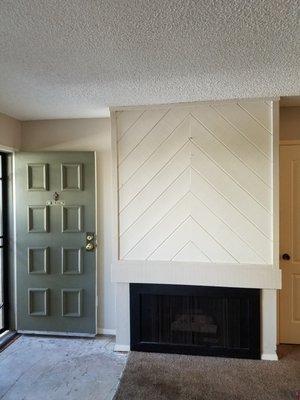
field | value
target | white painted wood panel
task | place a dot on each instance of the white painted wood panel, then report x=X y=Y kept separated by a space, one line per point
x=191 y=229
x=191 y=252
x=127 y=120
x=232 y=166
x=135 y=134
x=156 y=211
x=154 y=188
x=259 y=110
x=195 y=183
x=234 y=141
x=231 y=216
x=235 y=194
x=154 y=164
x=247 y=126
x=150 y=143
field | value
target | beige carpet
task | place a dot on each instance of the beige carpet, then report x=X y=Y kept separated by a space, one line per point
x=171 y=377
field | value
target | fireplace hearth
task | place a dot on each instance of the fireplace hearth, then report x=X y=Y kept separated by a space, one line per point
x=199 y=320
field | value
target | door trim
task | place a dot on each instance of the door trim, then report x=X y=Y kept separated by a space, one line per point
x=282 y=143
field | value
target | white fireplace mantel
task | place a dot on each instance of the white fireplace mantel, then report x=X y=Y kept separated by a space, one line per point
x=258 y=276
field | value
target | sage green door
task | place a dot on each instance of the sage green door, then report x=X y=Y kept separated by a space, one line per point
x=55 y=226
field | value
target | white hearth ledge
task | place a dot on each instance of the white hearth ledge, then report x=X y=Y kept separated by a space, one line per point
x=269 y=357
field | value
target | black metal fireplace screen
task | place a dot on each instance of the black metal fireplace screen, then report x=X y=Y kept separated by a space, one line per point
x=197 y=320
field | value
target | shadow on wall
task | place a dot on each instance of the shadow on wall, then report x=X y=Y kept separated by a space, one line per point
x=290 y=123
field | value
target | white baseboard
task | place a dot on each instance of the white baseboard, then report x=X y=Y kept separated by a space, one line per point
x=103 y=331
x=52 y=333
x=269 y=357
x=122 y=347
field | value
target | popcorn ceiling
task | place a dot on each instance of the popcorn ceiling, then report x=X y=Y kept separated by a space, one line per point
x=74 y=58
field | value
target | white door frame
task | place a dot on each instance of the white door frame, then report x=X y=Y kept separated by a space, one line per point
x=283 y=142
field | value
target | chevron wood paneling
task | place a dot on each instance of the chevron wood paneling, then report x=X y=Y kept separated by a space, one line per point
x=195 y=183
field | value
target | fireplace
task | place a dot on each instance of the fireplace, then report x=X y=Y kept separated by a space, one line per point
x=199 y=320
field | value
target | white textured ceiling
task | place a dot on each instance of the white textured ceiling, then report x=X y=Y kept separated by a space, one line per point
x=73 y=58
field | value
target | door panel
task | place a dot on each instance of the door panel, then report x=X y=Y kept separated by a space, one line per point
x=290 y=244
x=55 y=208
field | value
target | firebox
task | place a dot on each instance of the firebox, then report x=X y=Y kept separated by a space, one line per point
x=199 y=320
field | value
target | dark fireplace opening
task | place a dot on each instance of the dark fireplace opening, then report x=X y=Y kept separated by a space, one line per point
x=199 y=320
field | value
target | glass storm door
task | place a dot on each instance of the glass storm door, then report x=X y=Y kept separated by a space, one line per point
x=55 y=226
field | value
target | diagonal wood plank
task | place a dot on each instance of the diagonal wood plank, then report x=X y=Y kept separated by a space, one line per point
x=168 y=248
x=158 y=209
x=247 y=126
x=234 y=141
x=126 y=119
x=138 y=131
x=231 y=191
x=230 y=164
x=154 y=164
x=155 y=188
x=147 y=245
x=150 y=144
x=223 y=234
x=191 y=230
x=258 y=110
x=190 y=252
x=231 y=216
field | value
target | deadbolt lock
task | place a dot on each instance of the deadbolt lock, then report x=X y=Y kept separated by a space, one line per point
x=89 y=246
x=90 y=241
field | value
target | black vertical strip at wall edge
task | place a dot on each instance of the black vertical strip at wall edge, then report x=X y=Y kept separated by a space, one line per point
x=5 y=244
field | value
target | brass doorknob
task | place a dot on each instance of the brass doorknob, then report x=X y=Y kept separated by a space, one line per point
x=89 y=247
x=286 y=257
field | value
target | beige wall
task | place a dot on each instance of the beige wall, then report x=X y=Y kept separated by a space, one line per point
x=290 y=123
x=10 y=132
x=85 y=134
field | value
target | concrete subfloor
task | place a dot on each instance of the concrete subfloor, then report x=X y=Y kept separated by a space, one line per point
x=52 y=368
